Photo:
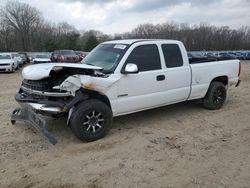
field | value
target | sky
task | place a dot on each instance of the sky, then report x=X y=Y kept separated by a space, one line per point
x=118 y=16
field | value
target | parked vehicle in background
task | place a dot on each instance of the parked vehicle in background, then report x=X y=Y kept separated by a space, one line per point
x=41 y=58
x=247 y=56
x=81 y=54
x=19 y=59
x=196 y=57
x=212 y=55
x=25 y=57
x=67 y=56
x=239 y=55
x=8 y=63
x=225 y=55
x=31 y=58
x=118 y=78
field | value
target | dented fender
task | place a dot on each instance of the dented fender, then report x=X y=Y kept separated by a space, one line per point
x=75 y=82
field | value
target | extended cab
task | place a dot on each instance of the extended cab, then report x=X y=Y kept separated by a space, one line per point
x=117 y=78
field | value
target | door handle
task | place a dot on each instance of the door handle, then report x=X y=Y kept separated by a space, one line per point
x=160 y=77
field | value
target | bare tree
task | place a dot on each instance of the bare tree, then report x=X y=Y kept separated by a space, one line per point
x=6 y=37
x=22 y=27
x=23 y=18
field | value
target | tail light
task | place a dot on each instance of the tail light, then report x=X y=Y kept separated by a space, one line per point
x=239 y=69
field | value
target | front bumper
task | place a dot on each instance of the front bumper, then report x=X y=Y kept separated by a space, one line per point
x=5 y=68
x=33 y=111
x=44 y=107
x=27 y=114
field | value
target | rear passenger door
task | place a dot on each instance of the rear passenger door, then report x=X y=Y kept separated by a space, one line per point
x=177 y=73
x=142 y=90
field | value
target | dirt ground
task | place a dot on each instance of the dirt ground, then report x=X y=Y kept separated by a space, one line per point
x=180 y=145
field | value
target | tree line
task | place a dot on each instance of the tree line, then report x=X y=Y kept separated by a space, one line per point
x=23 y=28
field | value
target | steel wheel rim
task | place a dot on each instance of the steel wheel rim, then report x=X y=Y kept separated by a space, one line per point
x=218 y=96
x=93 y=121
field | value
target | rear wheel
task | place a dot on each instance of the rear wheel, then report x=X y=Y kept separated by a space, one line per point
x=215 y=96
x=91 y=120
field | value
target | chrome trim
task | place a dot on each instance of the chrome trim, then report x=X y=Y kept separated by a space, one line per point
x=43 y=108
x=43 y=93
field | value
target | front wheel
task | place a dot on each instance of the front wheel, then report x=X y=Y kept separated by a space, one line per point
x=215 y=96
x=91 y=120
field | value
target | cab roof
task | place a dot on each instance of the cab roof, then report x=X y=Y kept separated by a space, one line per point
x=131 y=41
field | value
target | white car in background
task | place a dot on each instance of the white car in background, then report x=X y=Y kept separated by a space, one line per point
x=19 y=59
x=41 y=58
x=8 y=63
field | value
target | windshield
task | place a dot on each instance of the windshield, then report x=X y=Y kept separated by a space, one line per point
x=106 y=56
x=67 y=52
x=42 y=56
x=5 y=56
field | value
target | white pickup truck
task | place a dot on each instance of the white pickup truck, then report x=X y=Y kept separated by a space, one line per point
x=117 y=78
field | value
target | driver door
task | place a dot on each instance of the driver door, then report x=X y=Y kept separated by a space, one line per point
x=141 y=90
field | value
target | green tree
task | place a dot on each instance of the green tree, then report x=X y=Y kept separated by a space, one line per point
x=91 y=43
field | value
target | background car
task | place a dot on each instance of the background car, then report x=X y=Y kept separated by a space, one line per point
x=25 y=57
x=245 y=55
x=226 y=55
x=81 y=54
x=68 y=56
x=41 y=58
x=8 y=63
x=196 y=57
x=19 y=59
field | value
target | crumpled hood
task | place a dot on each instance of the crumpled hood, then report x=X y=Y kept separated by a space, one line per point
x=41 y=71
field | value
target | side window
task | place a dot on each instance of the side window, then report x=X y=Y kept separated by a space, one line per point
x=146 y=57
x=172 y=55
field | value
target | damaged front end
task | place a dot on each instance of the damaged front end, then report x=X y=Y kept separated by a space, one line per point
x=52 y=91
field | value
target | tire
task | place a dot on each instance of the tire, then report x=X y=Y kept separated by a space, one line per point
x=19 y=66
x=216 y=96
x=91 y=120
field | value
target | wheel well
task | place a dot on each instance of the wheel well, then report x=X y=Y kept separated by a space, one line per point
x=96 y=95
x=222 y=79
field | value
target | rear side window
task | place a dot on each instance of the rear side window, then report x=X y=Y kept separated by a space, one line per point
x=146 y=57
x=172 y=55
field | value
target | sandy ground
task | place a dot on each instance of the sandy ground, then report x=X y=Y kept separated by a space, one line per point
x=180 y=145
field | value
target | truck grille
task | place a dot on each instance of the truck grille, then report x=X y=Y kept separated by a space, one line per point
x=40 y=85
x=41 y=88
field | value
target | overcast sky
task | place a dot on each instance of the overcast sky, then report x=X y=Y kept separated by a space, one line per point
x=117 y=16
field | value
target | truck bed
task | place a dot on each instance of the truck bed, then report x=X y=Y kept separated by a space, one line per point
x=204 y=72
x=205 y=60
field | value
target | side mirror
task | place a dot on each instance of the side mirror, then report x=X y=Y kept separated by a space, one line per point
x=130 y=68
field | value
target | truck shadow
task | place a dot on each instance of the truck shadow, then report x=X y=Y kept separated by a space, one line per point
x=129 y=122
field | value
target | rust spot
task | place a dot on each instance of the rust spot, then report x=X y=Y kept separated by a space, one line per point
x=90 y=86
